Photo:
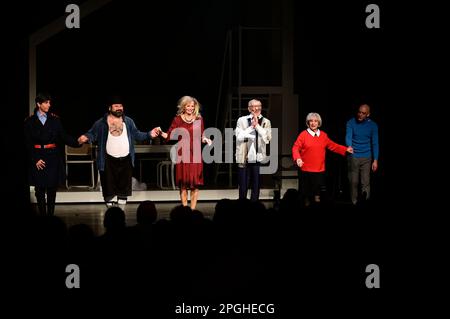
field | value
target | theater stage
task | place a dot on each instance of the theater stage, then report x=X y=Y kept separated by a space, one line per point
x=85 y=195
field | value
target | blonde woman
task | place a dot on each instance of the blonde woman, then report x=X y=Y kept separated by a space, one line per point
x=189 y=166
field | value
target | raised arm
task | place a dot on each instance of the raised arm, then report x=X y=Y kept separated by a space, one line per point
x=166 y=135
x=337 y=148
x=136 y=134
x=91 y=136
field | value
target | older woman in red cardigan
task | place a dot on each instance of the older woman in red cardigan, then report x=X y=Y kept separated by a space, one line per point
x=309 y=152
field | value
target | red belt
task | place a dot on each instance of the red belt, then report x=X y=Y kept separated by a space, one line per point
x=45 y=146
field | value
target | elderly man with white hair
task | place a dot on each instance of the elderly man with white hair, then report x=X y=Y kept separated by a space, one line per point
x=253 y=133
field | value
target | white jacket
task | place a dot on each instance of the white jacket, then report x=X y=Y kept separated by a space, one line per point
x=245 y=139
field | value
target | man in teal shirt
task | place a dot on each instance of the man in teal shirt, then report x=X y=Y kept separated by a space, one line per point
x=362 y=135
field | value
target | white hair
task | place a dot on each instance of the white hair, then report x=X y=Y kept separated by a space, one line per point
x=312 y=115
x=254 y=101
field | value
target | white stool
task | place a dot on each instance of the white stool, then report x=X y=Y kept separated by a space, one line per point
x=169 y=168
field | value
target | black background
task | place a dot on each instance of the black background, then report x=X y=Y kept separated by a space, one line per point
x=338 y=63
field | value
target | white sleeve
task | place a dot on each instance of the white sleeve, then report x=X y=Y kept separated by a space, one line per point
x=242 y=133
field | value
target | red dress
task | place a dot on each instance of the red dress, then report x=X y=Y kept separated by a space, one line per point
x=189 y=167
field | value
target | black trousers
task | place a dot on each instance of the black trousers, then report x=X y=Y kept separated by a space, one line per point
x=116 y=178
x=312 y=183
x=45 y=206
x=249 y=176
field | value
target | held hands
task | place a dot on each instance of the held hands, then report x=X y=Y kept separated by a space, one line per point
x=82 y=139
x=350 y=150
x=40 y=164
x=299 y=162
x=163 y=134
x=155 y=132
x=158 y=132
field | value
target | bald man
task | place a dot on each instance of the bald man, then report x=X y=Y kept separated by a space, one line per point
x=362 y=135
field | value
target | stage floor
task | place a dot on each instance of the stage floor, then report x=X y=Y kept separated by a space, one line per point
x=82 y=195
x=92 y=214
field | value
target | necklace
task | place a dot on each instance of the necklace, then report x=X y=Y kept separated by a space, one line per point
x=183 y=117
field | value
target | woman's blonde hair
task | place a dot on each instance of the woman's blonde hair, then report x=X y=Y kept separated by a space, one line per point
x=312 y=115
x=184 y=101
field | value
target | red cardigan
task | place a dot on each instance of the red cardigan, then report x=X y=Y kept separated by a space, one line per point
x=312 y=149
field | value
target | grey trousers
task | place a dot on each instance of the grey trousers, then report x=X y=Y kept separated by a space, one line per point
x=359 y=174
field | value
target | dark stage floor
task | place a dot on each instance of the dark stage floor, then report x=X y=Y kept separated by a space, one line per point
x=92 y=214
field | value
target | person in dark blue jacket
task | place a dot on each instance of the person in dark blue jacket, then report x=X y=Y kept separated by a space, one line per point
x=44 y=138
x=362 y=135
x=115 y=134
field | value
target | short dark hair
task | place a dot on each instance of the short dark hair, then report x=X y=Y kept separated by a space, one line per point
x=146 y=212
x=42 y=97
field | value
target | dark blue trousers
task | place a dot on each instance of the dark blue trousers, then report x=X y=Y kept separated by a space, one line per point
x=249 y=177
